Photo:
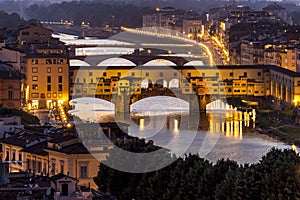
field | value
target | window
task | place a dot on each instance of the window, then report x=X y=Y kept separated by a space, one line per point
x=258 y=73
x=203 y=74
x=161 y=74
x=90 y=73
x=35 y=86
x=7 y=155
x=34 y=78
x=217 y=74
x=25 y=33
x=48 y=61
x=60 y=70
x=147 y=74
x=83 y=171
x=119 y=74
x=231 y=74
x=92 y=80
x=20 y=158
x=60 y=95
x=245 y=74
x=298 y=83
x=59 y=79
x=34 y=95
x=34 y=70
x=10 y=94
x=104 y=74
x=60 y=87
x=34 y=61
x=48 y=88
x=188 y=74
x=61 y=166
x=48 y=79
x=52 y=166
x=28 y=163
x=48 y=95
x=54 y=95
x=13 y=155
x=60 y=61
x=39 y=165
x=175 y=74
x=132 y=73
x=48 y=69
x=45 y=167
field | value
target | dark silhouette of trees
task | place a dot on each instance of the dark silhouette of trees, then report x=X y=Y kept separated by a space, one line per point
x=276 y=176
x=96 y=13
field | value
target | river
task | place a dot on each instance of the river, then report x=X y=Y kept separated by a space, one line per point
x=213 y=135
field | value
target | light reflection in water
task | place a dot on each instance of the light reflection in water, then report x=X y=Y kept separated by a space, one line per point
x=233 y=130
x=175 y=126
x=142 y=124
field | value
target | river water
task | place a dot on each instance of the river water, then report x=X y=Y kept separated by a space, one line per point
x=213 y=135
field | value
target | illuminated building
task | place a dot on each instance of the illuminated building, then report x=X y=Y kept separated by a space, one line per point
x=56 y=153
x=231 y=81
x=183 y=21
x=33 y=34
x=47 y=80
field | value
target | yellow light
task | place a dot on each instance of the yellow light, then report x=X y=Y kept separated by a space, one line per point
x=141 y=124
x=171 y=36
x=69 y=125
x=294 y=148
x=175 y=125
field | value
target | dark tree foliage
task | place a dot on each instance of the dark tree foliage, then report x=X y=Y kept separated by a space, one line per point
x=11 y=21
x=276 y=176
x=96 y=13
x=26 y=118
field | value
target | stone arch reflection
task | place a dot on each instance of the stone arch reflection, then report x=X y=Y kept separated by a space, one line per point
x=232 y=123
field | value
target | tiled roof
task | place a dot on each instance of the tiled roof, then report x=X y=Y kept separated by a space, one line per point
x=60 y=176
x=62 y=139
x=77 y=148
x=274 y=6
x=39 y=55
x=37 y=149
x=21 y=139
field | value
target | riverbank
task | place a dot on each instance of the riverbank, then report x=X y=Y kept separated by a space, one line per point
x=279 y=125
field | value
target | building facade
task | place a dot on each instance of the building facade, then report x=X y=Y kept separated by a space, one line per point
x=47 y=80
x=10 y=87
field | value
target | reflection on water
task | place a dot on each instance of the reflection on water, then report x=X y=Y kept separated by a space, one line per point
x=218 y=135
x=213 y=135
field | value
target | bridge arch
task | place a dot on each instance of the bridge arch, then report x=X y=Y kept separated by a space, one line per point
x=92 y=104
x=194 y=63
x=159 y=62
x=116 y=62
x=219 y=105
x=78 y=63
x=161 y=83
x=160 y=104
x=146 y=83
